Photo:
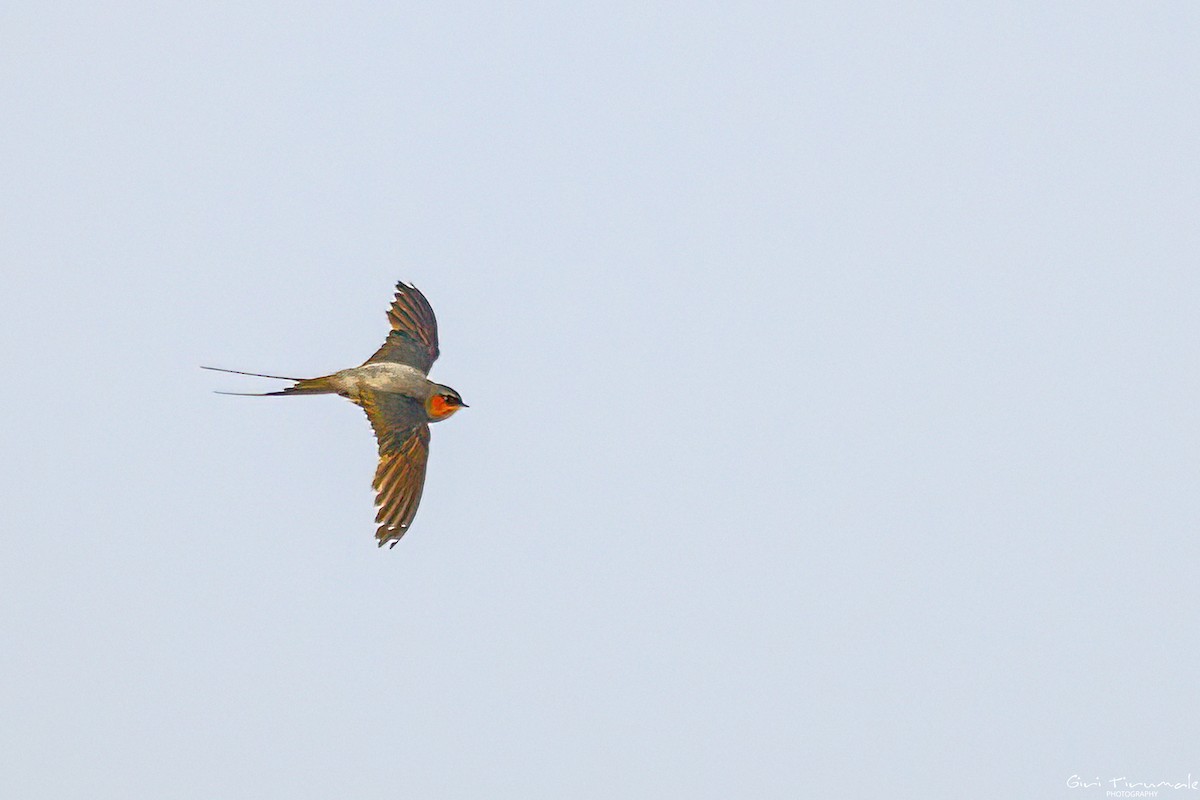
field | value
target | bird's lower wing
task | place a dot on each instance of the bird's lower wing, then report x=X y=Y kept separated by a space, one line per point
x=403 y=436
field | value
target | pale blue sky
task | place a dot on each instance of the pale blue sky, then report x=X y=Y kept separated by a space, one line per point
x=832 y=372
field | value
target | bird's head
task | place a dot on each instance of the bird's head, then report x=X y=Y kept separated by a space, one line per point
x=443 y=402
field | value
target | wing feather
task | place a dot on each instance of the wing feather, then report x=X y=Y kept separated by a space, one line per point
x=403 y=436
x=414 y=338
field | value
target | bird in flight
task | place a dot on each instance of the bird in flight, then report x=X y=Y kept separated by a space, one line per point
x=393 y=387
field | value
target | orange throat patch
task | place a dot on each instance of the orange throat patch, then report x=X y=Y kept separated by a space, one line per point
x=438 y=408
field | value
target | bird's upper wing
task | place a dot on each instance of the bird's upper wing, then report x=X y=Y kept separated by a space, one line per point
x=413 y=339
x=403 y=436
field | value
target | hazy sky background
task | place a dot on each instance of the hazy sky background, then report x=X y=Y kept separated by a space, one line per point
x=832 y=372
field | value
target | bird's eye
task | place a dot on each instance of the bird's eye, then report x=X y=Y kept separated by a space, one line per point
x=451 y=399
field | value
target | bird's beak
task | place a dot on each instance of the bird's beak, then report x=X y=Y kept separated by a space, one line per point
x=463 y=405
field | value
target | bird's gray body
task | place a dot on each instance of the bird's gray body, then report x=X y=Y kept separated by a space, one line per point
x=382 y=376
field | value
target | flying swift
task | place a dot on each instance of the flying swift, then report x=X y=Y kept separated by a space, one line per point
x=393 y=387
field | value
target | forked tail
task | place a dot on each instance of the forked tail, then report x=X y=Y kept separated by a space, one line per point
x=320 y=385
